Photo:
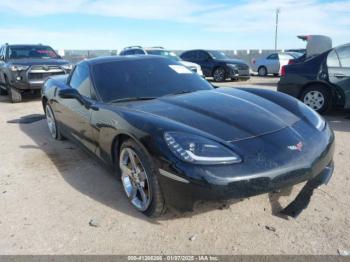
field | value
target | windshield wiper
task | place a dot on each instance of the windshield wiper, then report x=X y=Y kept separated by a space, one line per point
x=181 y=92
x=127 y=99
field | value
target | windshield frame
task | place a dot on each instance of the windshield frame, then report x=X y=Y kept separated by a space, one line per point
x=29 y=47
x=194 y=80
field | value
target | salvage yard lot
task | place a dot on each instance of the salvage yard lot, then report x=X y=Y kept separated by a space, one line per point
x=56 y=199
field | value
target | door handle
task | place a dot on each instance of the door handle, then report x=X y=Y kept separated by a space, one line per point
x=339 y=75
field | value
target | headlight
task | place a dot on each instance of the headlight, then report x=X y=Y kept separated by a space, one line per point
x=199 y=150
x=18 y=68
x=67 y=67
x=312 y=116
x=232 y=66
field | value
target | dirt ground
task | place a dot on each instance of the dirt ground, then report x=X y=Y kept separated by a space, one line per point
x=56 y=199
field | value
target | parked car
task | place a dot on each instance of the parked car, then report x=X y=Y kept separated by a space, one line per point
x=321 y=81
x=217 y=65
x=174 y=140
x=272 y=63
x=23 y=68
x=139 y=50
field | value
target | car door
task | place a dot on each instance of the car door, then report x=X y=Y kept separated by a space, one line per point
x=206 y=63
x=189 y=56
x=338 y=64
x=72 y=114
x=272 y=64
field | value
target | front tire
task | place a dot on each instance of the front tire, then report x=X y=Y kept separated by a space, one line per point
x=3 y=92
x=14 y=94
x=139 y=179
x=52 y=123
x=317 y=97
x=262 y=71
x=219 y=74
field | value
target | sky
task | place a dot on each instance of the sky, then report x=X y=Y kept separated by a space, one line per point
x=173 y=24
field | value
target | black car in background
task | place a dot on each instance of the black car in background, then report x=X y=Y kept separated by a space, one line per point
x=217 y=65
x=321 y=81
x=23 y=68
x=174 y=140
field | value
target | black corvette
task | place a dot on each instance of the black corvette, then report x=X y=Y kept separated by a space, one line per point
x=173 y=139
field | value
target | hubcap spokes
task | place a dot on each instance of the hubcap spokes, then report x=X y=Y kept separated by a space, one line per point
x=134 y=179
x=219 y=74
x=51 y=121
x=314 y=99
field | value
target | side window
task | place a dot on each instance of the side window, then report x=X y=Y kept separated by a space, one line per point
x=138 y=52
x=188 y=55
x=202 y=56
x=1 y=51
x=128 y=52
x=273 y=57
x=81 y=80
x=344 y=56
x=332 y=59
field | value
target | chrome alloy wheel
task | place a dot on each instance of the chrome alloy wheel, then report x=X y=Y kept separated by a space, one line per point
x=51 y=121
x=219 y=74
x=314 y=99
x=135 y=180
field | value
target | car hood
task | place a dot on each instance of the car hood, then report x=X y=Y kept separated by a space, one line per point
x=232 y=61
x=30 y=61
x=229 y=114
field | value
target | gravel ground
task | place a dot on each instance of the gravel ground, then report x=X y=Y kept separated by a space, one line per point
x=56 y=199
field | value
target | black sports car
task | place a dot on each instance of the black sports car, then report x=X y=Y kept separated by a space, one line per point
x=173 y=139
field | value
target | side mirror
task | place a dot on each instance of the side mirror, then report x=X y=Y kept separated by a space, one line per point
x=2 y=57
x=69 y=93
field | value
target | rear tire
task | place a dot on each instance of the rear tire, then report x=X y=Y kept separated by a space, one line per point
x=262 y=71
x=317 y=97
x=143 y=179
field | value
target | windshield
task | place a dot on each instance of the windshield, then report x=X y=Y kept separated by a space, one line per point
x=140 y=78
x=218 y=55
x=165 y=53
x=34 y=51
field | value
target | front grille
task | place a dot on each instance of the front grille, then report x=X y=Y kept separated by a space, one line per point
x=41 y=72
x=242 y=67
x=41 y=76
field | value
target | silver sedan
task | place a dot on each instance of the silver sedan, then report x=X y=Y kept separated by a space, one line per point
x=272 y=63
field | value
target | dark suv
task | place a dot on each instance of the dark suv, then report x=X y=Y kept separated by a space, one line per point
x=23 y=68
x=217 y=65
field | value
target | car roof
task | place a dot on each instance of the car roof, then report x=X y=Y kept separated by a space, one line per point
x=106 y=59
x=19 y=45
x=195 y=50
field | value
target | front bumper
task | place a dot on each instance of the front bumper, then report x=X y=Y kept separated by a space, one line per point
x=189 y=185
x=32 y=79
x=289 y=89
x=237 y=74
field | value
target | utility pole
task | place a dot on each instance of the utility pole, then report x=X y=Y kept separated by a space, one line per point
x=276 y=31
